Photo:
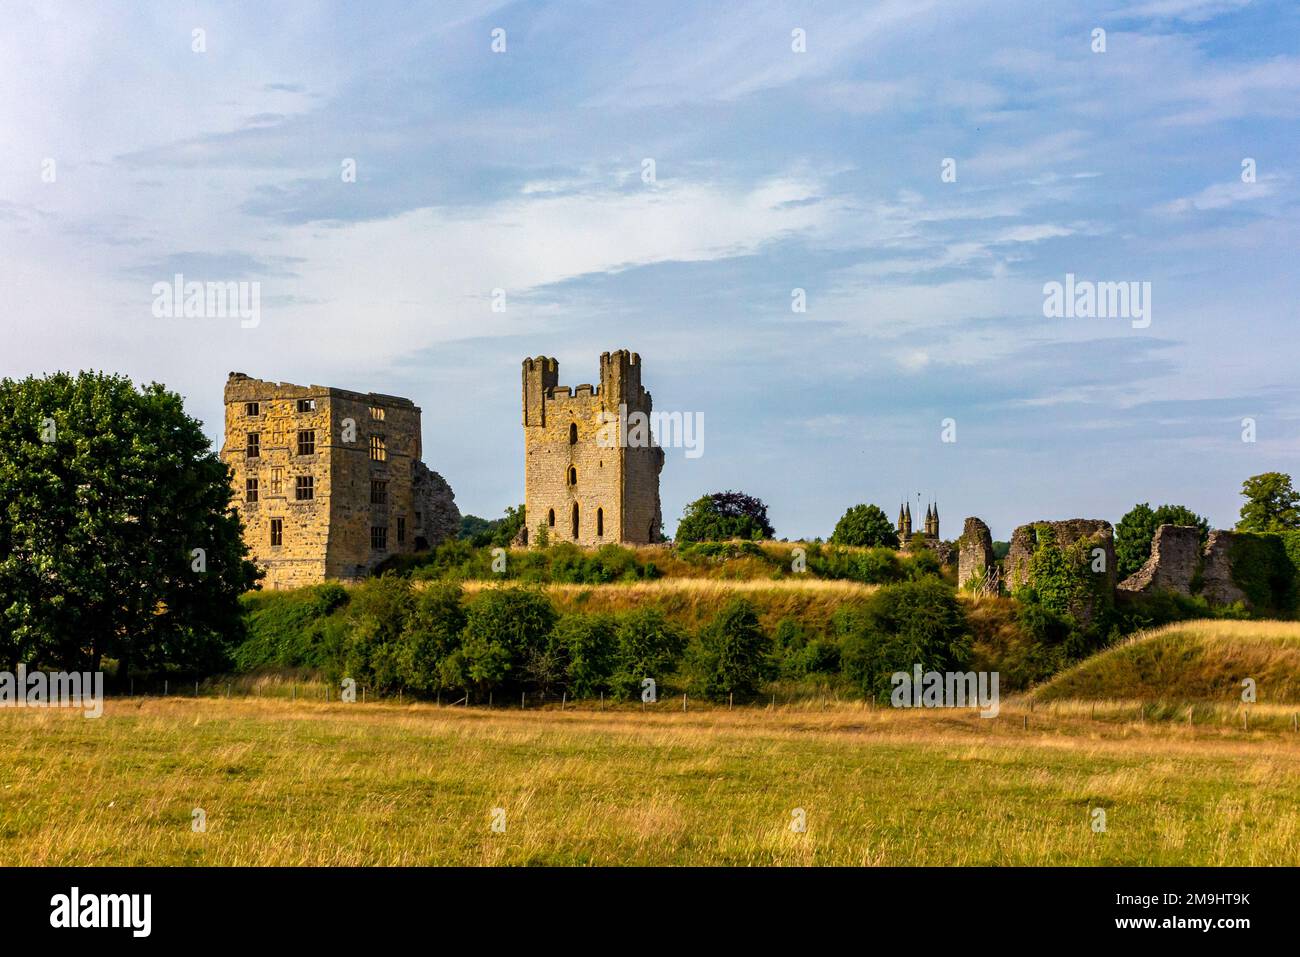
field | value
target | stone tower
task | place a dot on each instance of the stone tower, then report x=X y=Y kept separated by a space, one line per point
x=905 y=523
x=932 y=521
x=591 y=474
x=329 y=483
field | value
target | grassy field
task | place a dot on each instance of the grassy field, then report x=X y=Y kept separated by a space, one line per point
x=309 y=783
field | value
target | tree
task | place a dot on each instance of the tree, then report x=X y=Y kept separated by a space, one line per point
x=117 y=537
x=502 y=626
x=733 y=655
x=915 y=623
x=1137 y=529
x=497 y=532
x=589 y=643
x=648 y=646
x=865 y=525
x=1272 y=505
x=432 y=637
x=723 y=516
x=378 y=614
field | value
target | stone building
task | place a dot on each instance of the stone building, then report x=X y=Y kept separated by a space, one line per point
x=329 y=482
x=591 y=465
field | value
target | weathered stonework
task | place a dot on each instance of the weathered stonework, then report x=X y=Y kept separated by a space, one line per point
x=1174 y=563
x=578 y=484
x=1216 y=570
x=975 y=562
x=1025 y=540
x=436 y=516
x=337 y=473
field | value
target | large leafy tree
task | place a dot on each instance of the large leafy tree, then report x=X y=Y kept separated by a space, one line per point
x=1272 y=505
x=1137 y=529
x=723 y=516
x=865 y=525
x=117 y=539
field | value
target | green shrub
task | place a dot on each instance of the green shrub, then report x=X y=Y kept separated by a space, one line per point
x=501 y=627
x=1263 y=569
x=821 y=656
x=732 y=655
x=430 y=642
x=283 y=627
x=914 y=623
x=649 y=646
x=590 y=644
x=378 y=614
x=875 y=566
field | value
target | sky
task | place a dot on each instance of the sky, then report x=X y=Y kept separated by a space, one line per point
x=920 y=170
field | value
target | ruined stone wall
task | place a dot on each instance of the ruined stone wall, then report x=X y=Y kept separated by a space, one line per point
x=640 y=516
x=975 y=554
x=1173 y=565
x=615 y=490
x=1216 y=570
x=1025 y=539
x=437 y=517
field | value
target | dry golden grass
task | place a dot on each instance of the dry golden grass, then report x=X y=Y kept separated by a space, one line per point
x=701 y=586
x=1194 y=661
x=308 y=783
x=690 y=602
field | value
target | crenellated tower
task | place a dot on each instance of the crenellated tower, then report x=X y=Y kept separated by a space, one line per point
x=588 y=477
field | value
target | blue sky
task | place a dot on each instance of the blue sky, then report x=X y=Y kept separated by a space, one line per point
x=775 y=170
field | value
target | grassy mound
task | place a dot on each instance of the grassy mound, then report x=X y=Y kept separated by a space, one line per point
x=1190 y=661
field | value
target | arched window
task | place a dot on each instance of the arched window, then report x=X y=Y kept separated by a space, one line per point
x=573 y=475
x=573 y=433
x=600 y=522
x=575 y=521
x=550 y=518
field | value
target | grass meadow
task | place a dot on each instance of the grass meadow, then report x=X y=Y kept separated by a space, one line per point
x=303 y=782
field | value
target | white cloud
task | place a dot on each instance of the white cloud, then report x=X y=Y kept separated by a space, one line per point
x=1221 y=196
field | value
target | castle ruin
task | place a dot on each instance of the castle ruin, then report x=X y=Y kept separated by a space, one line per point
x=329 y=483
x=590 y=475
